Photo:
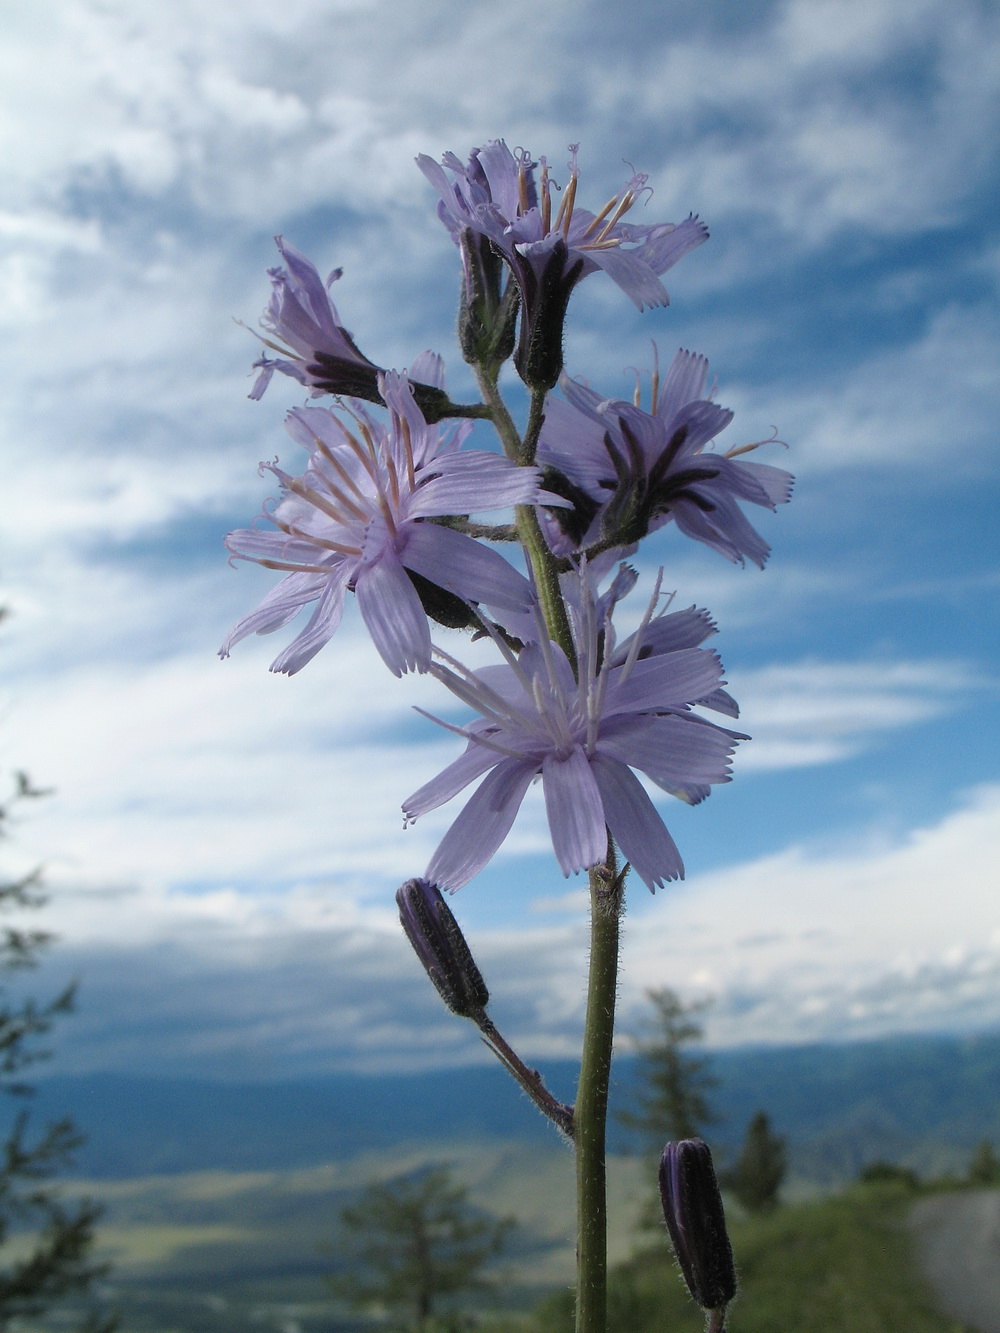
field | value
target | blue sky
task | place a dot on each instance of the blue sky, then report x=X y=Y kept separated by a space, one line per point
x=223 y=843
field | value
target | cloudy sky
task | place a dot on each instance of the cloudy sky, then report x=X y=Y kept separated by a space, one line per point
x=223 y=843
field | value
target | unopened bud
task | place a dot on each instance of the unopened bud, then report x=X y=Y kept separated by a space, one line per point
x=440 y=945
x=692 y=1208
x=488 y=311
x=544 y=299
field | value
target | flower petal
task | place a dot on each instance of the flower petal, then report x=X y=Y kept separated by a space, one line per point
x=459 y=563
x=632 y=272
x=284 y=601
x=473 y=482
x=450 y=781
x=669 y=633
x=576 y=815
x=663 y=681
x=319 y=630
x=482 y=825
x=684 y=383
x=636 y=824
x=674 y=750
x=391 y=609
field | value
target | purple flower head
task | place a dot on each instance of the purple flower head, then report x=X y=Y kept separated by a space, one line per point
x=357 y=520
x=582 y=737
x=441 y=947
x=315 y=347
x=628 y=472
x=497 y=196
x=692 y=1209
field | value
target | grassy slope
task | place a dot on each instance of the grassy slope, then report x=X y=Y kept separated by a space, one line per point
x=841 y=1265
x=215 y=1252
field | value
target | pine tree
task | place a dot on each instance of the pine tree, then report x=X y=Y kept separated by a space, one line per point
x=412 y=1242
x=984 y=1166
x=758 y=1172
x=59 y=1261
x=672 y=1099
x=671 y=1102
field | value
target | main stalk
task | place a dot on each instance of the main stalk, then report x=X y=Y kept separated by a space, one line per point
x=591 y=1113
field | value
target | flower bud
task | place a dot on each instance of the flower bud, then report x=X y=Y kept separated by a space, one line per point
x=692 y=1208
x=544 y=298
x=488 y=311
x=440 y=945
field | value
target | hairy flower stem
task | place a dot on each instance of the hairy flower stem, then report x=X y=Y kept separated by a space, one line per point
x=544 y=565
x=591 y=1111
x=530 y=1080
x=606 y=896
x=545 y=569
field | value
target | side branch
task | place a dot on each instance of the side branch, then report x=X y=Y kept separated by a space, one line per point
x=530 y=1080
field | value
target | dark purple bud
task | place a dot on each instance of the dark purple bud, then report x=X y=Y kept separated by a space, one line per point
x=440 y=945
x=488 y=313
x=546 y=288
x=692 y=1208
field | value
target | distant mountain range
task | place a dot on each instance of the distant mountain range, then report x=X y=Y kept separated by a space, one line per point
x=924 y=1100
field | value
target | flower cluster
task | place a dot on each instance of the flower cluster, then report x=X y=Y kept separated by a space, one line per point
x=385 y=506
x=497 y=197
x=388 y=509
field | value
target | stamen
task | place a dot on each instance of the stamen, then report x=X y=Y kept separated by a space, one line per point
x=342 y=473
x=297 y=485
x=389 y=464
x=565 y=215
x=292 y=530
x=655 y=379
x=467 y=686
x=627 y=200
x=477 y=738
x=524 y=202
x=408 y=451
x=600 y=217
x=314 y=540
x=546 y=197
x=366 y=457
x=287 y=565
x=748 y=448
x=636 y=645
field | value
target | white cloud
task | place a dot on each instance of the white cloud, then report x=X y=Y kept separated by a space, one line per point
x=817 y=712
x=797 y=946
x=926 y=402
x=143 y=174
x=902 y=935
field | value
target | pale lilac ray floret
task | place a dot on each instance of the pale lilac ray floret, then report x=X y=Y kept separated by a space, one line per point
x=630 y=472
x=301 y=324
x=358 y=520
x=314 y=346
x=496 y=194
x=629 y=709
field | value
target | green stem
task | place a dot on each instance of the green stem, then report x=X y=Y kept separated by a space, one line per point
x=536 y=415
x=606 y=895
x=545 y=568
x=591 y=1111
x=506 y=428
x=544 y=565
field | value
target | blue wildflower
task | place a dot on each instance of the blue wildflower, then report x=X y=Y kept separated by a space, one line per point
x=497 y=196
x=583 y=737
x=356 y=521
x=628 y=472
